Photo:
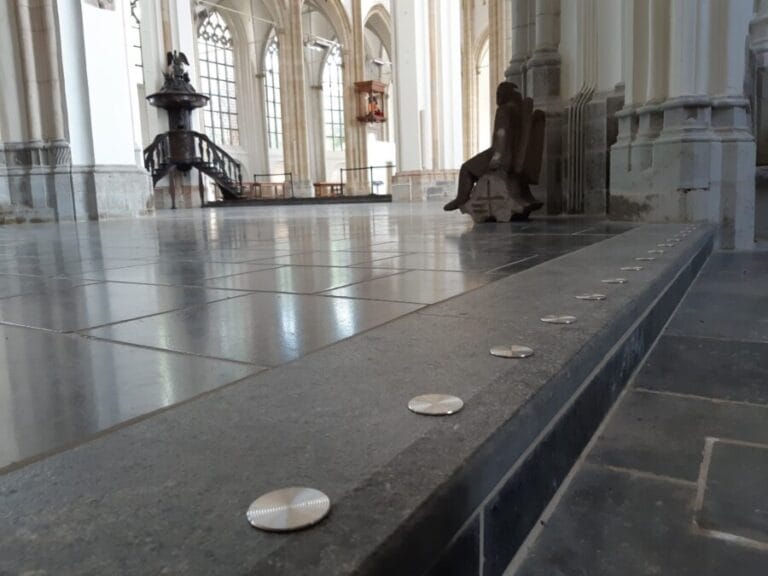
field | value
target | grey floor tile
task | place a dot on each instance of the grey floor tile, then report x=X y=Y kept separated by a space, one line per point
x=452 y=261
x=298 y=279
x=723 y=369
x=54 y=267
x=331 y=258
x=719 y=314
x=665 y=435
x=60 y=389
x=417 y=286
x=12 y=285
x=736 y=492
x=264 y=328
x=180 y=272
x=67 y=310
x=610 y=523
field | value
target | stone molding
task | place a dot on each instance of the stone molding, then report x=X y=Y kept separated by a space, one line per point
x=30 y=155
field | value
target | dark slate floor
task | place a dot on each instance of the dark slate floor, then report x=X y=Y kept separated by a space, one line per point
x=104 y=323
x=677 y=481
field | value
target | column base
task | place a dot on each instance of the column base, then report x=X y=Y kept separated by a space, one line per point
x=702 y=167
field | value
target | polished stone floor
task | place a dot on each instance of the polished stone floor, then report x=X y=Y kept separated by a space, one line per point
x=677 y=481
x=103 y=323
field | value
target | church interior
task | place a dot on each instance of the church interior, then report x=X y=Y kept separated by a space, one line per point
x=377 y=287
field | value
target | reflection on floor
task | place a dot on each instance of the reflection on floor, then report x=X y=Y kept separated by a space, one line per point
x=103 y=323
x=677 y=482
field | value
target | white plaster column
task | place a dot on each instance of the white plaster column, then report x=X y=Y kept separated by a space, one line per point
x=406 y=66
x=105 y=179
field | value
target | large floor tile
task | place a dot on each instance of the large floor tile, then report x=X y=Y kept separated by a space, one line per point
x=298 y=279
x=13 y=285
x=722 y=315
x=263 y=328
x=723 y=369
x=665 y=435
x=58 y=389
x=735 y=491
x=180 y=272
x=329 y=258
x=611 y=523
x=417 y=286
x=67 y=310
x=452 y=261
x=48 y=266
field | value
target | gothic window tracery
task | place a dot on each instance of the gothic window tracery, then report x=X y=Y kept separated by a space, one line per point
x=135 y=36
x=272 y=95
x=216 y=57
x=333 y=99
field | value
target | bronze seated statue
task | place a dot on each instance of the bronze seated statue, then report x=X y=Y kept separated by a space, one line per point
x=495 y=185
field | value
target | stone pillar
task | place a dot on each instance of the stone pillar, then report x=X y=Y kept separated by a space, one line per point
x=356 y=147
x=758 y=44
x=515 y=72
x=699 y=166
x=105 y=181
x=294 y=110
x=543 y=85
x=468 y=79
x=649 y=115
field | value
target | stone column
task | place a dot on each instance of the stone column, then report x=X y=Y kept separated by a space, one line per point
x=356 y=147
x=649 y=115
x=733 y=128
x=519 y=40
x=468 y=78
x=294 y=111
x=758 y=44
x=26 y=35
x=542 y=83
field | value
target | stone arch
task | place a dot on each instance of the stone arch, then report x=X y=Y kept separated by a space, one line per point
x=379 y=21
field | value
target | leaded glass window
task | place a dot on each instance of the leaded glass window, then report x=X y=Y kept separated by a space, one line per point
x=272 y=95
x=333 y=100
x=135 y=36
x=217 y=79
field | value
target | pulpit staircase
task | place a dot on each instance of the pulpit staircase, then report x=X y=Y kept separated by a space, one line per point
x=187 y=149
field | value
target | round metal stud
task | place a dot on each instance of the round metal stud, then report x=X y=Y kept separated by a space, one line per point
x=288 y=509
x=595 y=297
x=614 y=281
x=631 y=268
x=552 y=319
x=645 y=258
x=435 y=404
x=512 y=351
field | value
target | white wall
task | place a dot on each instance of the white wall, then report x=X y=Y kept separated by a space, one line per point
x=108 y=86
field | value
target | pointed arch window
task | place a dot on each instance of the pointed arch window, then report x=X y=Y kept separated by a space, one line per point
x=272 y=95
x=333 y=99
x=135 y=36
x=216 y=56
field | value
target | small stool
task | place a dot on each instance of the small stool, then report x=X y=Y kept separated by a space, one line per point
x=376 y=185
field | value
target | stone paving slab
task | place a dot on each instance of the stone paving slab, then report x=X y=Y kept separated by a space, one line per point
x=174 y=500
